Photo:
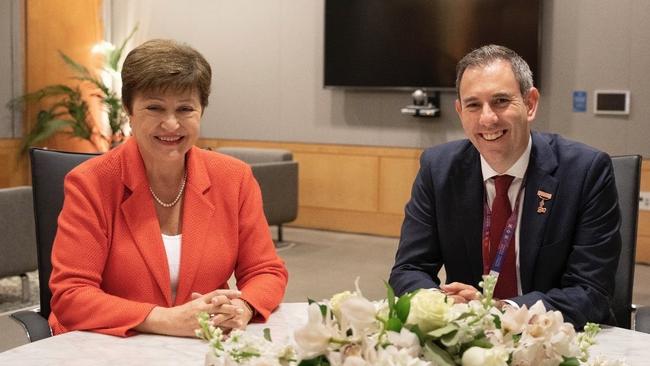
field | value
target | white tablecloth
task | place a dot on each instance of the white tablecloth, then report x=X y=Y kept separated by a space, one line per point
x=86 y=348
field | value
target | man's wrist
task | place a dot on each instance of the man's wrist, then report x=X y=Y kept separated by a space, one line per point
x=506 y=303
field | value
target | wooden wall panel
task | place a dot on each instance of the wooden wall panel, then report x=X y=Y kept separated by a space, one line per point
x=13 y=167
x=347 y=188
x=323 y=175
x=643 y=241
x=70 y=26
x=396 y=177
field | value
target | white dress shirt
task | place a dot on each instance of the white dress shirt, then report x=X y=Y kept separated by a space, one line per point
x=517 y=170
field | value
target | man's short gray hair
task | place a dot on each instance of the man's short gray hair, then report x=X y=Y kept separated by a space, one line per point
x=486 y=55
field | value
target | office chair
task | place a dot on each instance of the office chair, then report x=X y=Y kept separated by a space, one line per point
x=627 y=173
x=49 y=168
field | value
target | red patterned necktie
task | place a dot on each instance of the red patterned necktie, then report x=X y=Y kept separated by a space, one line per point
x=501 y=211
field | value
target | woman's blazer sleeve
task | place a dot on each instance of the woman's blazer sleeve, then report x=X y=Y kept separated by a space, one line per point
x=261 y=274
x=79 y=255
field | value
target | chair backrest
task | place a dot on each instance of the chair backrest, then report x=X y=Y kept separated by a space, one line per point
x=18 y=242
x=49 y=168
x=627 y=173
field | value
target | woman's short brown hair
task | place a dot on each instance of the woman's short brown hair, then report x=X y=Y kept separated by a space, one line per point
x=162 y=64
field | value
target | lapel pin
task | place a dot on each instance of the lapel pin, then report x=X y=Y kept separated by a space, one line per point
x=543 y=197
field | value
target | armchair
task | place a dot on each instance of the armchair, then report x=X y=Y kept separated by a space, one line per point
x=18 y=241
x=277 y=174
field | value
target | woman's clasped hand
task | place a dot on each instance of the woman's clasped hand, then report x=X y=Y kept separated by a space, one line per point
x=225 y=307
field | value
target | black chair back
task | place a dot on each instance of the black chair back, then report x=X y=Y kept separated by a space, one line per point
x=49 y=168
x=627 y=172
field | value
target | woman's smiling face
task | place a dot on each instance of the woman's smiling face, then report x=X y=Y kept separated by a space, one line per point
x=166 y=124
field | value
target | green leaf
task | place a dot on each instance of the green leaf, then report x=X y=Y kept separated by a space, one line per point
x=76 y=67
x=46 y=92
x=394 y=324
x=323 y=308
x=450 y=339
x=437 y=333
x=115 y=56
x=437 y=355
x=317 y=361
x=390 y=297
x=44 y=131
x=480 y=342
x=403 y=307
x=267 y=334
x=570 y=362
x=497 y=321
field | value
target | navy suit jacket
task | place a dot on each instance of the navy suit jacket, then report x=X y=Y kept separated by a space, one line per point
x=568 y=255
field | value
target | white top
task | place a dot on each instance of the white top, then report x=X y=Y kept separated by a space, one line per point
x=173 y=250
x=517 y=170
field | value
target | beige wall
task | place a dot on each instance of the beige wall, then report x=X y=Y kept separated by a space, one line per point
x=268 y=65
x=267 y=60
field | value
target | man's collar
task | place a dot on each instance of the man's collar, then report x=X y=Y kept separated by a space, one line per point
x=517 y=170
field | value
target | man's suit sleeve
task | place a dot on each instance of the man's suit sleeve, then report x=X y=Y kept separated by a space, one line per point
x=588 y=281
x=418 y=259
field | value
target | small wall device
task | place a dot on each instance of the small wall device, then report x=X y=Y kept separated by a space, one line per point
x=611 y=102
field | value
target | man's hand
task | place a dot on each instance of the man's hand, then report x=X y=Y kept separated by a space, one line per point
x=460 y=292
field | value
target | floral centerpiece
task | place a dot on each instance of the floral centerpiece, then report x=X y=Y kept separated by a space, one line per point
x=417 y=329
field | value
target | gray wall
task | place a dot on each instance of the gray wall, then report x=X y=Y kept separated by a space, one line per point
x=11 y=66
x=267 y=59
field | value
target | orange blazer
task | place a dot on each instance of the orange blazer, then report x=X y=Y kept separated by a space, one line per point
x=109 y=266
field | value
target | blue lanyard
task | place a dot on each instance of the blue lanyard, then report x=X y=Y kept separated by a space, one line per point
x=506 y=235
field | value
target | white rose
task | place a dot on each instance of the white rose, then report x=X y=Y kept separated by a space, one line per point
x=313 y=338
x=477 y=356
x=336 y=300
x=359 y=312
x=429 y=310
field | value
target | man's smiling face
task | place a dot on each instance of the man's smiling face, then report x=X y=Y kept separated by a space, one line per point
x=494 y=114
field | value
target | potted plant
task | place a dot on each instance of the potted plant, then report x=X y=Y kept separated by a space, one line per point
x=91 y=110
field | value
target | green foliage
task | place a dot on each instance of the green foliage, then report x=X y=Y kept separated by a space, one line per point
x=317 y=361
x=69 y=112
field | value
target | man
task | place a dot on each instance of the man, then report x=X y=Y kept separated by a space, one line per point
x=537 y=208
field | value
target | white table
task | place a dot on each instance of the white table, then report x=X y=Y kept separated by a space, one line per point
x=86 y=348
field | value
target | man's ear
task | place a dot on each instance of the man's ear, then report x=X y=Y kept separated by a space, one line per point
x=459 y=108
x=532 y=101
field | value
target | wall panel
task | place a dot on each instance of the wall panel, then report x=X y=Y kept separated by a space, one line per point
x=13 y=167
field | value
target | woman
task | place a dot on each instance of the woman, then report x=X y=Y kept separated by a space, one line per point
x=151 y=231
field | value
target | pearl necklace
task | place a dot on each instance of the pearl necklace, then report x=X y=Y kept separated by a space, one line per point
x=178 y=196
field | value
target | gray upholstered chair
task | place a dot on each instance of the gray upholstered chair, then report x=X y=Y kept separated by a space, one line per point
x=642 y=319
x=277 y=174
x=18 y=239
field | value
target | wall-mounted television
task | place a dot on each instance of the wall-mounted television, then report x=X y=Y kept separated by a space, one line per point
x=405 y=44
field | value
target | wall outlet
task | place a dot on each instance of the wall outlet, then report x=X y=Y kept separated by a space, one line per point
x=644 y=201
